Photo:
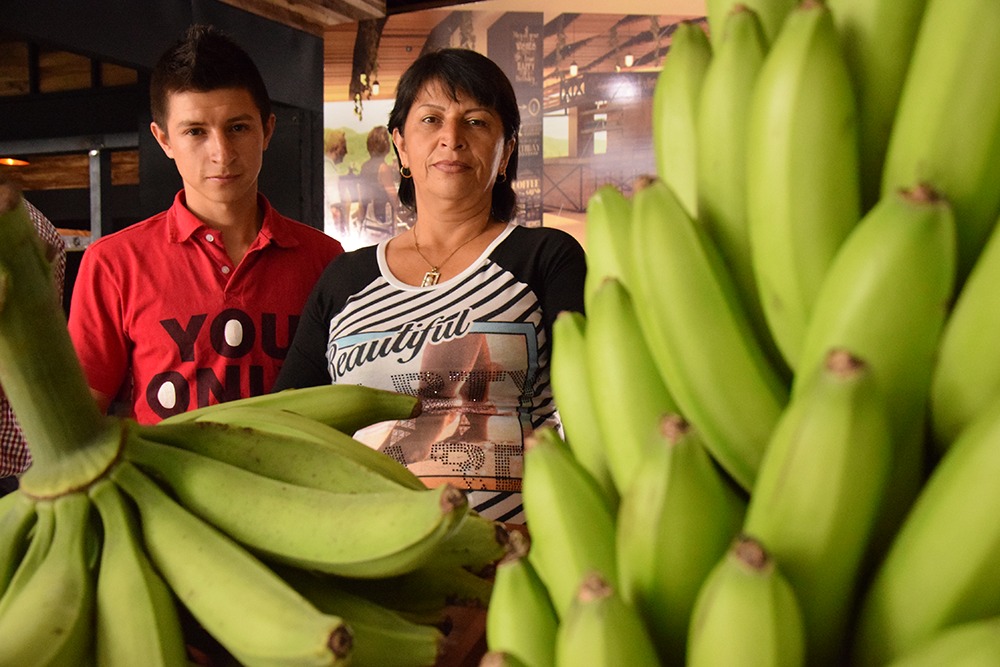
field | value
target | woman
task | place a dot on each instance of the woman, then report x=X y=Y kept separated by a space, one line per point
x=458 y=309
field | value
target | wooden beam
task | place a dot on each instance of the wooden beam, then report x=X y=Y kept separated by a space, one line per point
x=313 y=16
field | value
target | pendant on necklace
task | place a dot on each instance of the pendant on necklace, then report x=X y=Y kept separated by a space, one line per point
x=431 y=277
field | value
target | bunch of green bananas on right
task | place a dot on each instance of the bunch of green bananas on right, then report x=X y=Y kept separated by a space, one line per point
x=286 y=540
x=781 y=410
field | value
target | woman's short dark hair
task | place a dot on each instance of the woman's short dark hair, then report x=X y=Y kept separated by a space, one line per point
x=473 y=74
x=205 y=59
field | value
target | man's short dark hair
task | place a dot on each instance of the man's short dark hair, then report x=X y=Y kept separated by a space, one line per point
x=205 y=59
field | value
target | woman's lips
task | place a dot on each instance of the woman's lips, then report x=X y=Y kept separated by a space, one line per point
x=450 y=166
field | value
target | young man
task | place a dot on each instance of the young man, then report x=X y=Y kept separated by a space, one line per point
x=197 y=305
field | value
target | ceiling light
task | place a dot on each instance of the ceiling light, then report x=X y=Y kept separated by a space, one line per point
x=573 y=69
x=629 y=59
x=375 y=87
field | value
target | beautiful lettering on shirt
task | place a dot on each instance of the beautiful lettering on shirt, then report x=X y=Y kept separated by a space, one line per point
x=404 y=344
x=232 y=334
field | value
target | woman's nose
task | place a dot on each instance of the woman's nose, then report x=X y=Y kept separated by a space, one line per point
x=452 y=134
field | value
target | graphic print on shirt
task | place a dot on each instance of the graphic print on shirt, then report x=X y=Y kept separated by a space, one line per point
x=476 y=378
x=222 y=344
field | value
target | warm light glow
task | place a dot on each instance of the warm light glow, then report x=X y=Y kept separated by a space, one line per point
x=12 y=162
x=375 y=87
x=629 y=59
x=573 y=69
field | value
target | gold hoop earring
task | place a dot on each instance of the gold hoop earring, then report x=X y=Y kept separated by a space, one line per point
x=405 y=172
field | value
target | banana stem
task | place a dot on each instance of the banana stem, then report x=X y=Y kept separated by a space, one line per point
x=39 y=369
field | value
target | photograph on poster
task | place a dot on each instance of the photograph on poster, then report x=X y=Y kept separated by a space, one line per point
x=584 y=82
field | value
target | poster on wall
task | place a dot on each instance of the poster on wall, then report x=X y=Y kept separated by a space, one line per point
x=584 y=83
x=514 y=42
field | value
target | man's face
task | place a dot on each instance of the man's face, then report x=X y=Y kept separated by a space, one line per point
x=217 y=141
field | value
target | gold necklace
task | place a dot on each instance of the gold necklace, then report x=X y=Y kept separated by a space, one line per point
x=434 y=275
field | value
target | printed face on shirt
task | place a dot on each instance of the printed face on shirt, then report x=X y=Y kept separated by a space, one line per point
x=217 y=141
x=454 y=148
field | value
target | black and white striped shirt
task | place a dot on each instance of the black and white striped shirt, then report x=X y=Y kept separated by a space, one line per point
x=474 y=348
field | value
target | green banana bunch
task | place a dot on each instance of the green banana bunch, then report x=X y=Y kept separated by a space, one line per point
x=424 y=594
x=772 y=14
x=941 y=567
x=946 y=131
x=746 y=613
x=571 y=524
x=700 y=336
x=675 y=108
x=971 y=644
x=721 y=132
x=603 y=630
x=521 y=621
x=967 y=371
x=248 y=608
x=45 y=613
x=631 y=397
x=501 y=659
x=137 y=622
x=476 y=544
x=609 y=213
x=288 y=447
x=884 y=300
x=88 y=575
x=876 y=37
x=17 y=519
x=374 y=534
x=802 y=170
x=382 y=637
x=36 y=545
x=818 y=493
x=674 y=524
x=569 y=374
x=353 y=407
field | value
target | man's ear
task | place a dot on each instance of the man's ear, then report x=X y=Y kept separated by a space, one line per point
x=269 y=130
x=161 y=138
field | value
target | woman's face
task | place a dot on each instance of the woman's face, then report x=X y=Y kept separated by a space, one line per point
x=454 y=148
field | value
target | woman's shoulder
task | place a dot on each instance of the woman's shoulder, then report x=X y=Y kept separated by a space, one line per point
x=359 y=259
x=549 y=238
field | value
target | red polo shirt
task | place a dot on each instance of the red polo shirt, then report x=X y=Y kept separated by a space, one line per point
x=160 y=309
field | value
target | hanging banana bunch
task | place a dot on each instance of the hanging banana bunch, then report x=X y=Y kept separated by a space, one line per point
x=263 y=518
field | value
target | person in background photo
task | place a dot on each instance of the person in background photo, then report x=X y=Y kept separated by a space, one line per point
x=15 y=457
x=377 y=183
x=457 y=310
x=198 y=304
x=337 y=200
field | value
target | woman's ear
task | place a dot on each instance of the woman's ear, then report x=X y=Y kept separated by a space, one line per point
x=400 y=143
